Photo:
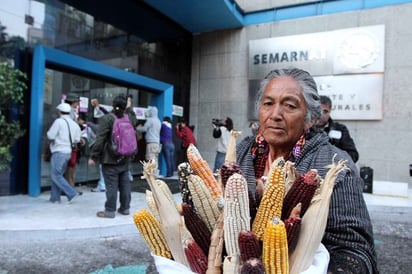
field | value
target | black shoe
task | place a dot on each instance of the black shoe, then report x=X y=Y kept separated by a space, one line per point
x=79 y=193
x=123 y=212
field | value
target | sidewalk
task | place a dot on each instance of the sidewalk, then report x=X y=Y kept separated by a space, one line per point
x=34 y=218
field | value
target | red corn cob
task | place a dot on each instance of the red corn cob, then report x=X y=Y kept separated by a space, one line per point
x=200 y=233
x=292 y=225
x=302 y=191
x=249 y=246
x=252 y=266
x=227 y=170
x=195 y=257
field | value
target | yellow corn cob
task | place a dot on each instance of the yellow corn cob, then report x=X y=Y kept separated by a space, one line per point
x=151 y=204
x=151 y=232
x=236 y=212
x=203 y=202
x=202 y=169
x=272 y=199
x=275 y=248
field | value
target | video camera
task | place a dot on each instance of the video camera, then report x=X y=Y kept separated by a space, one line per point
x=217 y=122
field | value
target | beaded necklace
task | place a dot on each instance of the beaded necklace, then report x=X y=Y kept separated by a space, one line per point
x=260 y=153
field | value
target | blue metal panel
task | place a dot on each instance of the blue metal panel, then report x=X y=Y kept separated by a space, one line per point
x=314 y=9
x=43 y=56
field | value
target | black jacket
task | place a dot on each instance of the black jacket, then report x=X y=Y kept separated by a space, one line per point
x=339 y=136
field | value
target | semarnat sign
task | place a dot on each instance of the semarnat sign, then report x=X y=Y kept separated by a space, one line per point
x=347 y=64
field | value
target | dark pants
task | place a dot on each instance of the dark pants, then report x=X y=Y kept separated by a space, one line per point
x=168 y=152
x=116 y=178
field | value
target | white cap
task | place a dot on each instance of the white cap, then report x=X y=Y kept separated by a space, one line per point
x=64 y=107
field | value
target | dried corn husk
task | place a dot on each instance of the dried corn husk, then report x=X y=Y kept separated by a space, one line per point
x=214 y=258
x=170 y=219
x=314 y=222
x=231 y=146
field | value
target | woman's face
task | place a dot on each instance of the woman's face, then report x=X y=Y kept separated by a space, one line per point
x=282 y=113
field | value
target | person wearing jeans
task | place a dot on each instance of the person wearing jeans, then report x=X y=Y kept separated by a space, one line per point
x=58 y=165
x=101 y=186
x=168 y=147
x=60 y=132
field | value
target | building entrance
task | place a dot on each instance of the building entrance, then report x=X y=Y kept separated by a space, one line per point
x=58 y=75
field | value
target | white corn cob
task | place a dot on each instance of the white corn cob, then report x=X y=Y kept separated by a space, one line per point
x=236 y=212
x=203 y=201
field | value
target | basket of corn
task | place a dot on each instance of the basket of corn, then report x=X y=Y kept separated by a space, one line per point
x=220 y=227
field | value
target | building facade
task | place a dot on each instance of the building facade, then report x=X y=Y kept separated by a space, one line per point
x=209 y=67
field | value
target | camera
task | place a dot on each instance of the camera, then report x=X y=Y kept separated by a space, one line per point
x=217 y=122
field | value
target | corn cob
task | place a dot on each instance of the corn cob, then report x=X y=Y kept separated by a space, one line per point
x=150 y=229
x=183 y=171
x=166 y=190
x=201 y=234
x=292 y=225
x=252 y=266
x=249 y=246
x=214 y=258
x=272 y=199
x=227 y=170
x=151 y=204
x=236 y=212
x=275 y=248
x=203 y=202
x=302 y=191
x=314 y=221
x=170 y=219
x=202 y=169
x=196 y=258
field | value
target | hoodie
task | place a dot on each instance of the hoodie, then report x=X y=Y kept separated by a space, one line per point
x=151 y=126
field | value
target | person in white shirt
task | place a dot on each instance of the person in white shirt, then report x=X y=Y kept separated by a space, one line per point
x=61 y=147
x=221 y=131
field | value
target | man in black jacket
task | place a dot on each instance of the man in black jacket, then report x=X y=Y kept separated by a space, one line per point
x=339 y=135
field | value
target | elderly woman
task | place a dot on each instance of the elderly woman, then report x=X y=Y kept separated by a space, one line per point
x=287 y=107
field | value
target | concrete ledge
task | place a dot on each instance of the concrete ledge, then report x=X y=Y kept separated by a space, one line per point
x=386 y=188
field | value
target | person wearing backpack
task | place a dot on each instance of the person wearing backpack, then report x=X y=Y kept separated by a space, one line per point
x=115 y=145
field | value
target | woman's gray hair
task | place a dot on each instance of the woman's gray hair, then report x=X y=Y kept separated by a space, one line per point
x=307 y=84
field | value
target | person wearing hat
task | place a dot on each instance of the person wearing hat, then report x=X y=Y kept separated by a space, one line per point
x=59 y=134
x=73 y=100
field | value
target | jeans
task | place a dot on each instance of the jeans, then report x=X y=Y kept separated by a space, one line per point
x=58 y=165
x=219 y=160
x=100 y=184
x=168 y=152
x=116 y=178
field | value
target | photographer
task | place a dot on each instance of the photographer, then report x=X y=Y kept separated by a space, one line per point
x=221 y=131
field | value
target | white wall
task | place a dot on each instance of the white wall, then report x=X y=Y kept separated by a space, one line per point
x=220 y=84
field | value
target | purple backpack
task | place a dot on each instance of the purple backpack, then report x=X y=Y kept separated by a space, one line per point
x=124 y=139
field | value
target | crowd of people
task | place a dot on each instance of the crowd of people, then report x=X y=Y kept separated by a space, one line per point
x=293 y=122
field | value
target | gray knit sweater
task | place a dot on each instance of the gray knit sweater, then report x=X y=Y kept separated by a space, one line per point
x=348 y=236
